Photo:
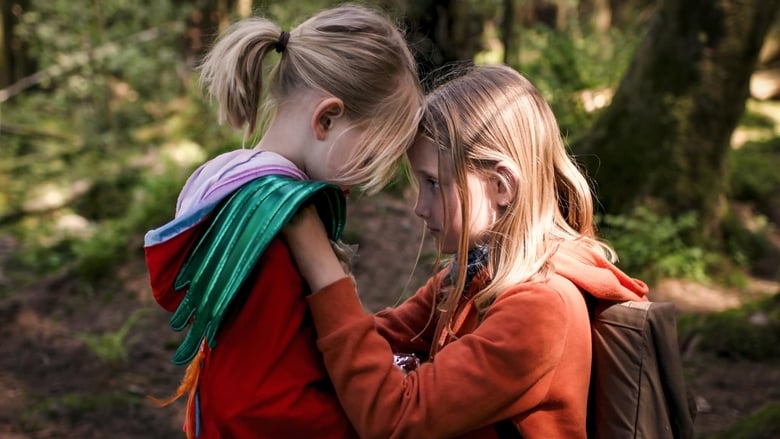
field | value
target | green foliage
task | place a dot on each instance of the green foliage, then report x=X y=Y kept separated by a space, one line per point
x=108 y=69
x=564 y=64
x=651 y=246
x=751 y=331
x=289 y=14
x=751 y=247
x=754 y=118
x=111 y=346
x=123 y=103
x=101 y=63
x=106 y=140
x=764 y=423
x=153 y=200
x=753 y=172
x=755 y=183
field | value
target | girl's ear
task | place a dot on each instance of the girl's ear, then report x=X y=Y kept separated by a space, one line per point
x=325 y=114
x=504 y=185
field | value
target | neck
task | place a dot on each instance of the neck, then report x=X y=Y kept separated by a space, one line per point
x=281 y=137
x=287 y=134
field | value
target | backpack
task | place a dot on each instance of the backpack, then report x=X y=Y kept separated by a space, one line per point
x=637 y=385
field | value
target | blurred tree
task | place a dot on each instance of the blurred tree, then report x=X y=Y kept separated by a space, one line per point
x=624 y=12
x=14 y=62
x=524 y=14
x=666 y=135
x=604 y=14
x=205 y=20
x=442 y=31
x=508 y=34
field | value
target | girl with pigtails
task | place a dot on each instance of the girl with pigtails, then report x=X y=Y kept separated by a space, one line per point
x=342 y=107
x=503 y=329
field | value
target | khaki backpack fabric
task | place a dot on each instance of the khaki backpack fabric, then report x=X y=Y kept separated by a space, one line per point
x=637 y=384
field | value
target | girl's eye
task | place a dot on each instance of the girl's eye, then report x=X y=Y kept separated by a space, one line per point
x=433 y=184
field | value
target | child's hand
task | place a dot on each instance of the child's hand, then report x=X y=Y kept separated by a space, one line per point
x=312 y=249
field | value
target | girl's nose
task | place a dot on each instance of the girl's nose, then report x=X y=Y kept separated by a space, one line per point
x=420 y=210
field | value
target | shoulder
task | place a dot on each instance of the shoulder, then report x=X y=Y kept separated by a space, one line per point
x=556 y=299
x=557 y=290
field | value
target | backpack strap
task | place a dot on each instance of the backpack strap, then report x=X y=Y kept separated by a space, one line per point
x=239 y=234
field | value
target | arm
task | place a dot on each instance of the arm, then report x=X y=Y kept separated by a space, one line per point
x=309 y=243
x=320 y=267
x=409 y=327
x=504 y=368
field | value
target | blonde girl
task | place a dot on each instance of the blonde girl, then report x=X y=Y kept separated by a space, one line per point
x=503 y=329
x=342 y=107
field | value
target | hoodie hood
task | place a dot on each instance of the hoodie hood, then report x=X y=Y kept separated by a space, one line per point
x=593 y=273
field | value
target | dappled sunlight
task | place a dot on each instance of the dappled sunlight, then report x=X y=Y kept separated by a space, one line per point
x=770 y=110
x=48 y=195
x=182 y=153
x=765 y=84
x=596 y=99
x=71 y=224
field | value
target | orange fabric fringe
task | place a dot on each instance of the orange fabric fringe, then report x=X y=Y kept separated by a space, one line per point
x=189 y=384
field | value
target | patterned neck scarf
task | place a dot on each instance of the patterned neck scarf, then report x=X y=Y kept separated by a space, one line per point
x=477 y=259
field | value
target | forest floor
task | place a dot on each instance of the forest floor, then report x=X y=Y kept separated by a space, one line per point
x=60 y=379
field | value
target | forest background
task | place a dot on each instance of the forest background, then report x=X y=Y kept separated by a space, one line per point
x=671 y=106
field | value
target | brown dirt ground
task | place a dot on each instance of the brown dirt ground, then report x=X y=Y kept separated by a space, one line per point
x=53 y=386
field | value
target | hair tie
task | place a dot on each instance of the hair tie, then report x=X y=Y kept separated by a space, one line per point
x=281 y=45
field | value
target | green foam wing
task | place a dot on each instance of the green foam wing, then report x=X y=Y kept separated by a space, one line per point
x=223 y=259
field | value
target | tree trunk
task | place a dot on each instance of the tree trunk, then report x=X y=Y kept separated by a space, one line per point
x=625 y=13
x=666 y=135
x=14 y=62
x=204 y=25
x=508 y=34
x=441 y=31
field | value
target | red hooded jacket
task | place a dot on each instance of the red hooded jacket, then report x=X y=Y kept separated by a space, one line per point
x=265 y=377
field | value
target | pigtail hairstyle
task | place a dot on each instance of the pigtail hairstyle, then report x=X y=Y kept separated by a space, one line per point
x=493 y=115
x=350 y=52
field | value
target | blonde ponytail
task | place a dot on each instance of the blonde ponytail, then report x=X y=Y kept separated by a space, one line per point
x=232 y=72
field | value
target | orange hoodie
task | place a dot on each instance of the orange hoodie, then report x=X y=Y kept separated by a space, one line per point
x=528 y=359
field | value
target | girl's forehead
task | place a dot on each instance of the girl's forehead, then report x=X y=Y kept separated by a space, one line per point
x=423 y=154
x=425 y=157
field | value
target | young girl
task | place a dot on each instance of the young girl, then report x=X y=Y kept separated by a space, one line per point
x=345 y=98
x=504 y=328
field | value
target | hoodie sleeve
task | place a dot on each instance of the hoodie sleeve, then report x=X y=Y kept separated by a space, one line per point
x=409 y=327
x=475 y=381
